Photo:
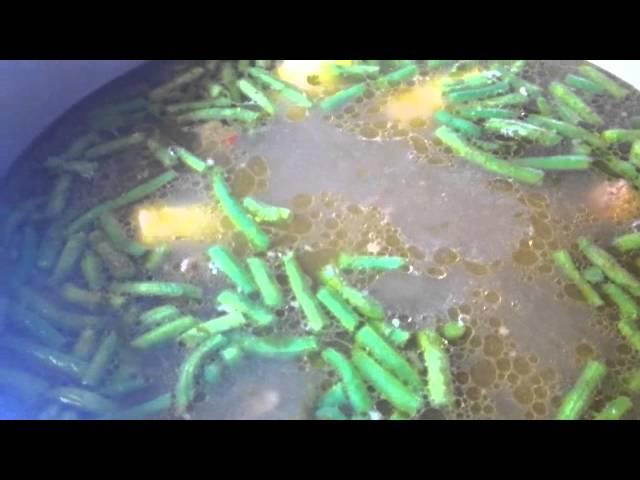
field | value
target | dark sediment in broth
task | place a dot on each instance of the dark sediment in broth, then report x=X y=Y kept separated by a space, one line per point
x=478 y=246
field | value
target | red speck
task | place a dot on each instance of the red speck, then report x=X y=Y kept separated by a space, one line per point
x=231 y=140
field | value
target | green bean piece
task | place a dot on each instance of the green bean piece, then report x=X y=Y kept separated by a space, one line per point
x=237 y=214
x=342 y=97
x=158 y=315
x=166 y=332
x=92 y=270
x=27 y=386
x=338 y=308
x=118 y=237
x=579 y=397
x=353 y=385
x=582 y=83
x=611 y=268
x=629 y=310
x=161 y=153
x=397 y=336
x=83 y=400
x=386 y=384
x=265 y=213
x=482 y=113
x=120 y=388
x=355 y=70
x=482 y=79
x=593 y=274
x=364 y=304
x=79 y=167
x=305 y=298
x=564 y=262
x=634 y=153
x=268 y=286
x=457 y=123
x=71 y=252
x=150 y=408
x=502 y=101
x=50 y=247
x=289 y=92
x=368 y=339
x=238 y=114
x=119 y=265
x=101 y=360
x=622 y=168
x=404 y=73
x=439 y=383
x=114 y=146
x=186 y=386
x=615 y=409
x=37 y=327
x=522 y=86
x=630 y=333
x=194 y=336
x=255 y=95
x=578 y=147
x=282 y=347
x=439 y=64
x=156 y=258
x=62 y=319
x=620 y=135
x=232 y=301
x=81 y=297
x=453 y=330
x=79 y=145
x=631 y=381
x=157 y=289
x=335 y=396
x=215 y=90
x=330 y=413
x=611 y=86
x=190 y=160
x=565 y=96
x=185 y=107
x=567 y=130
x=480 y=93
x=212 y=373
x=44 y=356
x=59 y=195
x=544 y=107
x=223 y=260
x=486 y=160
x=189 y=76
x=232 y=355
x=522 y=130
x=518 y=66
x=557 y=162
x=627 y=242
x=370 y=262
x=85 y=344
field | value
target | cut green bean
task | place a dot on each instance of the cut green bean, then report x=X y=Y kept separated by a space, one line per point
x=564 y=262
x=27 y=386
x=265 y=213
x=364 y=304
x=59 y=195
x=486 y=160
x=187 y=77
x=79 y=145
x=156 y=406
x=282 y=347
x=85 y=298
x=353 y=385
x=119 y=265
x=157 y=289
x=118 y=237
x=335 y=396
x=370 y=262
x=330 y=413
x=579 y=398
x=480 y=93
x=630 y=333
x=71 y=252
x=268 y=286
x=453 y=330
x=185 y=107
x=615 y=409
x=567 y=130
x=305 y=298
x=232 y=301
x=578 y=147
x=475 y=81
x=158 y=315
x=114 y=146
x=355 y=70
x=522 y=130
x=194 y=336
x=502 y=101
x=482 y=113
x=289 y=92
x=619 y=135
x=404 y=73
x=223 y=113
x=232 y=355
x=627 y=242
x=582 y=83
x=224 y=260
x=439 y=382
x=138 y=193
x=544 y=107
x=124 y=387
x=79 y=167
x=564 y=95
x=237 y=214
x=593 y=274
x=161 y=153
x=611 y=268
x=92 y=270
x=557 y=162
x=611 y=86
x=83 y=400
x=85 y=344
x=439 y=64
x=338 y=308
x=342 y=97
x=255 y=95
x=186 y=386
x=215 y=90
x=386 y=384
x=368 y=339
x=165 y=333
x=156 y=258
x=50 y=247
x=190 y=160
x=629 y=310
x=37 y=327
x=634 y=153
x=101 y=360
x=44 y=356
x=457 y=123
x=631 y=381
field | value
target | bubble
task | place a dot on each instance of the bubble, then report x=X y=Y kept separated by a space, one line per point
x=493 y=346
x=483 y=373
x=446 y=256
